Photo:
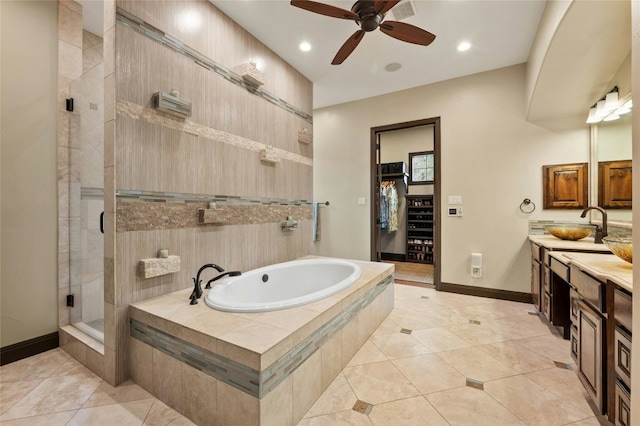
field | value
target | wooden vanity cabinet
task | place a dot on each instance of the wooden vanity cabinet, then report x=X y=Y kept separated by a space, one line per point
x=589 y=335
x=621 y=368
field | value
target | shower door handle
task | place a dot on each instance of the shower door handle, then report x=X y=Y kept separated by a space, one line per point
x=102 y=222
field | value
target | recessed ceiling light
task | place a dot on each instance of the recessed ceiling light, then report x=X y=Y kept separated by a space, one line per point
x=393 y=66
x=305 y=46
x=465 y=45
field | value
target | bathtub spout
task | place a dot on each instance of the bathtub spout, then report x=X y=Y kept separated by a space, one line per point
x=197 y=289
x=224 y=274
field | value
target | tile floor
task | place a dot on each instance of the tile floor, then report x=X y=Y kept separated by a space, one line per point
x=438 y=359
x=414 y=272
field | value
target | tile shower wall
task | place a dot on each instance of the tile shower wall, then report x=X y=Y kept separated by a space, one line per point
x=215 y=152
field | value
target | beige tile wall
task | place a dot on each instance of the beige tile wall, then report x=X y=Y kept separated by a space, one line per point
x=166 y=156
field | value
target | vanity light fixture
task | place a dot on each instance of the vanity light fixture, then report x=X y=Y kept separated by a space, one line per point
x=607 y=108
x=592 y=116
x=601 y=112
x=611 y=101
x=625 y=108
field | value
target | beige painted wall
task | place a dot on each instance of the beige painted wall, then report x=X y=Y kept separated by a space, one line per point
x=28 y=52
x=491 y=156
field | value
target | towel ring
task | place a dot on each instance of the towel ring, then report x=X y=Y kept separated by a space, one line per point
x=524 y=206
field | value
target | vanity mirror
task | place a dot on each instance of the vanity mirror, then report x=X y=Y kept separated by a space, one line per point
x=611 y=168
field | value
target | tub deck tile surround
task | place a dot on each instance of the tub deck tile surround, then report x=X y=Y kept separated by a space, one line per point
x=268 y=350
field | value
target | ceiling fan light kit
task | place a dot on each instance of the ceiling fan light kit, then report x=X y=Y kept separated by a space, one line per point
x=368 y=15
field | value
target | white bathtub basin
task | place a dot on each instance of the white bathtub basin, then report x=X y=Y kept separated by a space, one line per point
x=283 y=285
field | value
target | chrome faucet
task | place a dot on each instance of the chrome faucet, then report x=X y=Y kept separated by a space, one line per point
x=197 y=289
x=600 y=232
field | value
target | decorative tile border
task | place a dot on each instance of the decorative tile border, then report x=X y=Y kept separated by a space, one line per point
x=128 y=195
x=139 y=112
x=91 y=193
x=149 y=210
x=164 y=215
x=138 y=25
x=228 y=371
x=248 y=380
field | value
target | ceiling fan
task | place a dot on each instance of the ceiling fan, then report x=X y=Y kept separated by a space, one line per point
x=369 y=15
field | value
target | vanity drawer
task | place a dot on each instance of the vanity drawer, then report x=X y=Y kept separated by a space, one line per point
x=622 y=308
x=545 y=255
x=589 y=288
x=560 y=269
x=622 y=357
x=535 y=251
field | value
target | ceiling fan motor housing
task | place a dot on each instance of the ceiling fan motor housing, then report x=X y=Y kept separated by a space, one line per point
x=369 y=19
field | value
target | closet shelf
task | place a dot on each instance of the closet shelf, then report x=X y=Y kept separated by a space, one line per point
x=420 y=247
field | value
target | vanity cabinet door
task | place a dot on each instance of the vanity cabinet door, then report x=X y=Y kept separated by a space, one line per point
x=623 y=406
x=590 y=353
x=535 y=283
x=565 y=186
x=545 y=306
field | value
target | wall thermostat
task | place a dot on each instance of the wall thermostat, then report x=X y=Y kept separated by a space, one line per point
x=455 y=211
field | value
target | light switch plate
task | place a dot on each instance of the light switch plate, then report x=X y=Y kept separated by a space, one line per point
x=362 y=201
x=455 y=199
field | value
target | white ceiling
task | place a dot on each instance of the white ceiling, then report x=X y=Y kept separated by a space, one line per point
x=501 y=33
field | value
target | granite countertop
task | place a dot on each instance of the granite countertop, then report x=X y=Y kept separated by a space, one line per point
x=602 y=266
x=553 y=243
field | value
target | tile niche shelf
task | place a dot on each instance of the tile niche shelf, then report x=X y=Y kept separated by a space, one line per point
x=155 y=267
x=420 y=223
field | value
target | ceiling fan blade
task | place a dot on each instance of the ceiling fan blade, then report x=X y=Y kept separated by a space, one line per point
x=407 y=32
x=383 y=6
x=348 y=47
x=325 y=9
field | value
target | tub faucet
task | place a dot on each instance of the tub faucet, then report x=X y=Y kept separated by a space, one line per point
x=197 y=289
x=600 y=232
x=224 y=274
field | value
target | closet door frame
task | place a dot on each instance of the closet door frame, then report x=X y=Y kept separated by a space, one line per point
x=374 y=169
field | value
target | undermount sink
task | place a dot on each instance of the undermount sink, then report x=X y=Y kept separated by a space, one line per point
x=621 y=247
x=571 y=232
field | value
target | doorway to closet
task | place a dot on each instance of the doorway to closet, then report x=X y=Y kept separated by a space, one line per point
x=405 y=184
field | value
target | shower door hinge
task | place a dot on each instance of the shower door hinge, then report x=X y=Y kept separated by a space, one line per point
x=70 y=104
x=70 y=300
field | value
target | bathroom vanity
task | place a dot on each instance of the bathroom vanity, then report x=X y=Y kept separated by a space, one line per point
x=550 y=293
x=601 y=288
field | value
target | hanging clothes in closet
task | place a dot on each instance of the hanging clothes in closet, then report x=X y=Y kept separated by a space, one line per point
x=389 y=206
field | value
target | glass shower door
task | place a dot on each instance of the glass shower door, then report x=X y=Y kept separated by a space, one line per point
x=86 y=133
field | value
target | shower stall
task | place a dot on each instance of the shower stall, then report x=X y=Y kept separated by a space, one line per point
x=86 y=192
